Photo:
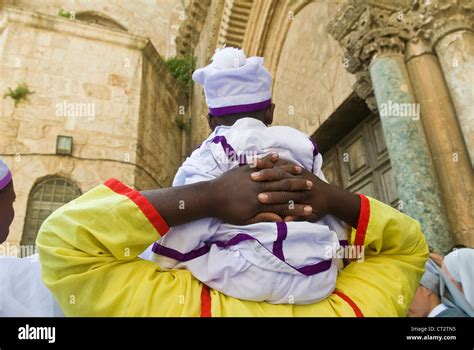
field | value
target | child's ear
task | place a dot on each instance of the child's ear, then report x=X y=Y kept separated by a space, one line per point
x=211 y=121
x=269 y=114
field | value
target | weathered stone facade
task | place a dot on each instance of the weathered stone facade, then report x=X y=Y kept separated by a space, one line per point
x=322 y=52
x=158 y=20
x=129 y=131
x=310 y=81
x=388 y=42
x=326 y=57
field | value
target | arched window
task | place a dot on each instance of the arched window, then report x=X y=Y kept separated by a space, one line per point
x=100 y=19
x=46 y=196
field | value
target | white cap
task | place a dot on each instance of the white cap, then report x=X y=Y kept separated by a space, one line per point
x=235 y=84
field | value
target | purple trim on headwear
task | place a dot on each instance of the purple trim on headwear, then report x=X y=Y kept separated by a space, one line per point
x=229 y=150
x=252 y=107
x=6 y=180
x=282 y=231
x=308 y=270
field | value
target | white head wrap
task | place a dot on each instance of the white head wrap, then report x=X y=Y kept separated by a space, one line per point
x=234 y=83
x=460 y=264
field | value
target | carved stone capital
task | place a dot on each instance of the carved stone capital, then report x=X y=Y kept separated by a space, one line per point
x=366 y=29
x=437 y=18
x=417 y=46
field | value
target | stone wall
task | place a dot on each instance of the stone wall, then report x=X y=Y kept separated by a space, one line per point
x=28 y=169
x=157 y=20
x=203 y=51
x=159 y=137
x=63 y=68
x=310 y=81
x=131 y=134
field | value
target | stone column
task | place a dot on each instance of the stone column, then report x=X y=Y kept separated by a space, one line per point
x=417 y=184
x=444 y=137
x=450 y=27
x=375 y=41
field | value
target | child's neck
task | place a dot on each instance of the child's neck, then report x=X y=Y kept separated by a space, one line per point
x=223 y=121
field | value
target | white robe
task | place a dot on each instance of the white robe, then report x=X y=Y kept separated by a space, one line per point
x=276 y=262
x=22 y=291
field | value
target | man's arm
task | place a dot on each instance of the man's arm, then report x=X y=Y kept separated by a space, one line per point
x=233 y=196
x=89 y=248
x=394 y=254
x=382 y=284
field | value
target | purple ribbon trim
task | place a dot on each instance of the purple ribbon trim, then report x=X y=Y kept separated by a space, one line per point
x=6 y=180
x=282 y=231
x=218 y=112
x=229 y=150
x=316 y=268
x=308 y=270
x=182 y=257
x=315 y=147
x=315 y=151
x=241 y=237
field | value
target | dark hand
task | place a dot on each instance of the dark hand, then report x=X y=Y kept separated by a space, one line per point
x=238 y=201
x=324 y=198
x=268 y=192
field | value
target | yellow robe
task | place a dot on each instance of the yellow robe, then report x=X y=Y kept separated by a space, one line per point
x=89 y=254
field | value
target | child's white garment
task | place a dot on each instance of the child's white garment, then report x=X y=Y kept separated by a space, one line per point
x=279 y=262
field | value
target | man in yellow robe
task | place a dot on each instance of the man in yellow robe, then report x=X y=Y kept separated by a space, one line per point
x=89 y=249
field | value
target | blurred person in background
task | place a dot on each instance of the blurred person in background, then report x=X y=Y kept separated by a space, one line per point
x=438 y=296
x=7 y=197
x=22 y=292
x=459 y=267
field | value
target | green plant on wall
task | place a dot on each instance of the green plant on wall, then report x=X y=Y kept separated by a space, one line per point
x=66 y=14
x=182 y=123
x=19 y=94
x=182 y=68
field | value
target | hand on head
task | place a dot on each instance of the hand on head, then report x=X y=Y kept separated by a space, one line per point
x=286 y=178
x=284 y=190
x=242 y=190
